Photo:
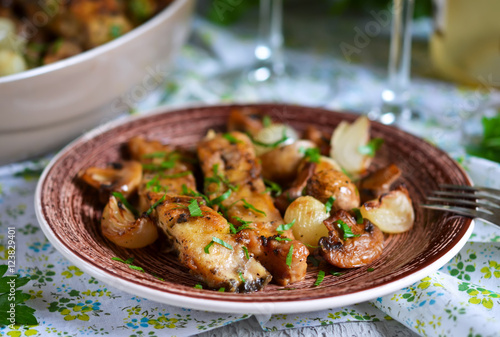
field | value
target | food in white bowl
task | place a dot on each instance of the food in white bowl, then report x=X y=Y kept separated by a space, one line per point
x=45 y=107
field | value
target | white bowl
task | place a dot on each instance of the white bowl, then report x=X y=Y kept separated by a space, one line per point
x=45 y=107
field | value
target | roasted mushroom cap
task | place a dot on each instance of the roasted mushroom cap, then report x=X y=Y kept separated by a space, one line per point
x=119 y=225
x=123 y=177
x=379 y=182
x=332 y=183
x=349 y=244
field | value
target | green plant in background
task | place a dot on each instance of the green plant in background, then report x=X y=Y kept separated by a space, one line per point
x=12 y=300
x=226 y=12
x=489 y=147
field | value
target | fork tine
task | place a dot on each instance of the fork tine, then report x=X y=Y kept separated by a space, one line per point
x=492 y=191
x=479 y=204
x=466 y=195
x=465 y=212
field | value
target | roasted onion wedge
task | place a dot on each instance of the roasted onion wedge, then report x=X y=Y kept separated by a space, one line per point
x=392 y=212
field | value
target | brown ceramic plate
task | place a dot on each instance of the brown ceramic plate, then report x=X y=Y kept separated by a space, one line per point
x=69 y=214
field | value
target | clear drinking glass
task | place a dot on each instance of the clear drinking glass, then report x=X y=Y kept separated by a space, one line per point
x=394 y=108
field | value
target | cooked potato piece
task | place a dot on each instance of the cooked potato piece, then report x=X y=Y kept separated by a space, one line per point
x=281 y=164
x=392 y=212
x=274 y=134
x=345 y=143
x=308 y=214
x=332 y=183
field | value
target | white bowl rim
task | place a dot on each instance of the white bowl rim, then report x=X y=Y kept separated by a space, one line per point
x=99 y=50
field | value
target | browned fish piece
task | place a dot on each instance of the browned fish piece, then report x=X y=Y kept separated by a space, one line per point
x=229 y=163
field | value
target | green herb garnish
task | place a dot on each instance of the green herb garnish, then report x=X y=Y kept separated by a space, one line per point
x=187 y=191
x=220 y=242
x=241 y=277
x=129 y=262
x=194 y=208
x=371 y=148
x=370 y=270
x=177 y=175
x=311 y=154
x=231 y=139
x=329 y=204
x=359 y=216
x=319 y=279
x=289 y=256
x=198 y=286
x=346 y=229
x=336 y=273
x=251 y=207
x=284 y=227
x=272 y=187
x=240 y=220
x=220 y=198
x=162 y=199
x=157 y=154
x=280 y=239
x=267 y=121
x=245 y=249
x=125 y=203
x=222 y=289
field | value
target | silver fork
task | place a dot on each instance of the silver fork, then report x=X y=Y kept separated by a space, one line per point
x=482 y=202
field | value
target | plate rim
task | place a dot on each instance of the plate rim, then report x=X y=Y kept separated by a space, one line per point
x=225 y=305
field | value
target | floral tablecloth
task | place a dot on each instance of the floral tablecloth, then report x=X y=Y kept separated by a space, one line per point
x=461 y=299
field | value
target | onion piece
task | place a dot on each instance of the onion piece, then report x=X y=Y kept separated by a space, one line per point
x=272 y=135
x=345 y=143
x=392 y=212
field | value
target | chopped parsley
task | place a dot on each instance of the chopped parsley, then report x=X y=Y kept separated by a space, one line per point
x=198 y=286
x=251 y=207
x=289 y=256
x=284 y=227
x=220 y=198
x=336 y=273
x=329 y=204
x=371 y=148
x=177 y=175
x=241 y=277
x=240 y=220
x=221 y=290
x=280 y=239
x=125 y=203
x=128 y=262
x=194 y=208
x=267 y=121
x=187 y=191
x=162 y=199
x=370 y=270
x=346 y=229
x=218 y=178
x=235 y=230
x=231 y=139
x=245 y=249
x=359 y=216
x=311 y=154
x=319 y=279
x=157 y=154
x=220 y=242
x=273 y=187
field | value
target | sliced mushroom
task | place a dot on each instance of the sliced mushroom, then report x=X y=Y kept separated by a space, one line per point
x=245 y=120
x=392 y=212
x=379 y=182
x=119 y=225
x=123 y=177
x=349 y=244
x=295 y=191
